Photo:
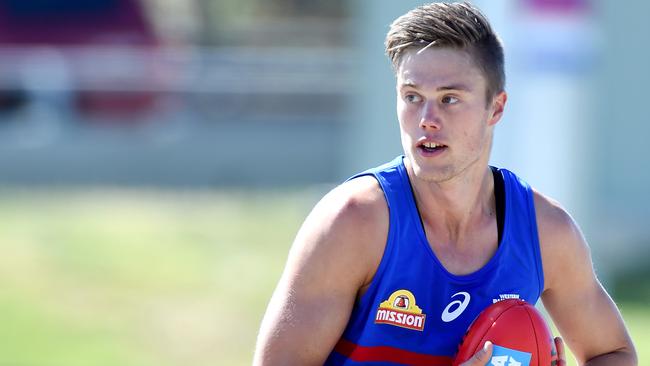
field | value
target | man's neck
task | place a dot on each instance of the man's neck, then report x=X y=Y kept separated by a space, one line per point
x=455 y=206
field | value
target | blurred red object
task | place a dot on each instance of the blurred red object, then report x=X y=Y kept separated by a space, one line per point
x=74 y=22
x=83 y=32
x=558 y=6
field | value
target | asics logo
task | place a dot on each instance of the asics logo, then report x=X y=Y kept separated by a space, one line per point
x=458 y=305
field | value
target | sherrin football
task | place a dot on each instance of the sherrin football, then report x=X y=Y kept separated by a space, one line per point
x=518 y=332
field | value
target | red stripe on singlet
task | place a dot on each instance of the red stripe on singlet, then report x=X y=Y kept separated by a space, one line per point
x=359 y=353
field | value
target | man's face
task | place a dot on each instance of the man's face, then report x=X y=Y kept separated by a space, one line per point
x=445 y=121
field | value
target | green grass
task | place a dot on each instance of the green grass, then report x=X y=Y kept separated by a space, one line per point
x=139 y=278
x=637 y=318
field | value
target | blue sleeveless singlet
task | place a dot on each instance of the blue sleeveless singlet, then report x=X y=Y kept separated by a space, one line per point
x=415 y=312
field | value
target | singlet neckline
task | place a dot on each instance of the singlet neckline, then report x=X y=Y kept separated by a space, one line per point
x=419 y=228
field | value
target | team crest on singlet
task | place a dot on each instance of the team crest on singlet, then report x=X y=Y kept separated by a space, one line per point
x=401 y=310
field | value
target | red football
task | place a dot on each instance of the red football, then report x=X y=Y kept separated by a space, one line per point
x=513 y=324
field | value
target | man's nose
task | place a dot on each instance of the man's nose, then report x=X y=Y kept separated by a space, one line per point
x=430 y=117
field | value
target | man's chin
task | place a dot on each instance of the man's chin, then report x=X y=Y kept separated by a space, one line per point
x=429 y=174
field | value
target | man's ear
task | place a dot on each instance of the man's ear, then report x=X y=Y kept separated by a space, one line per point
x=496 y=108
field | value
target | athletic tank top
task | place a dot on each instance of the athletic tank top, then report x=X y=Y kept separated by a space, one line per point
x=415 y=312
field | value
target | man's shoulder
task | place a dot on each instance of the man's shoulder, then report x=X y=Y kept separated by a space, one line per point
x=353 y=217
x=562 y=244
x=552 y=217
x=345 y=233
x=359 y=201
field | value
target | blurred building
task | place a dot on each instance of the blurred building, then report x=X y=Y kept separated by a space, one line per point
x=110 y=92
x=77 y=47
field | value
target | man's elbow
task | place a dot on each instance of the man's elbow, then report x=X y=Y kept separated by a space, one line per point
x=625 y=356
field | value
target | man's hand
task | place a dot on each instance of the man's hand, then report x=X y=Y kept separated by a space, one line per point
x=482 y=357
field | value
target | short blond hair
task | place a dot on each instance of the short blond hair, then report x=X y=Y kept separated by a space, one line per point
x=456 y=25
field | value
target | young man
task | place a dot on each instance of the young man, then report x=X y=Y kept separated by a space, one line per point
x=392 y=266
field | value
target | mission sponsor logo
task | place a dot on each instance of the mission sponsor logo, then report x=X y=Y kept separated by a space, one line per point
x=401 y=310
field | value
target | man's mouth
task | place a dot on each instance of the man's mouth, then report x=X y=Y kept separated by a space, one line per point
x=431 y=147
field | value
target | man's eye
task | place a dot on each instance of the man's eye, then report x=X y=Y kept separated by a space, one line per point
x=412 y=98
x=449 y=100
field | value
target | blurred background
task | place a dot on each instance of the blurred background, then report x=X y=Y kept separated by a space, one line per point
x=158 y=156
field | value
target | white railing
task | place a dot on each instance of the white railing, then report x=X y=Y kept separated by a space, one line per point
x=178 y=70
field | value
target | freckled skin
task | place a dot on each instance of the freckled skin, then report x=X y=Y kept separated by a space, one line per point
x=429 y=106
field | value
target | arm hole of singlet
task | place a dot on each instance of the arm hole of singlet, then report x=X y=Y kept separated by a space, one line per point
x=499 y=199
x=368 y=296
x=534 y=236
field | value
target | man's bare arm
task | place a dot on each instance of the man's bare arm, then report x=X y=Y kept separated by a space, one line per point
x=334 y=255
x=585 y=315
